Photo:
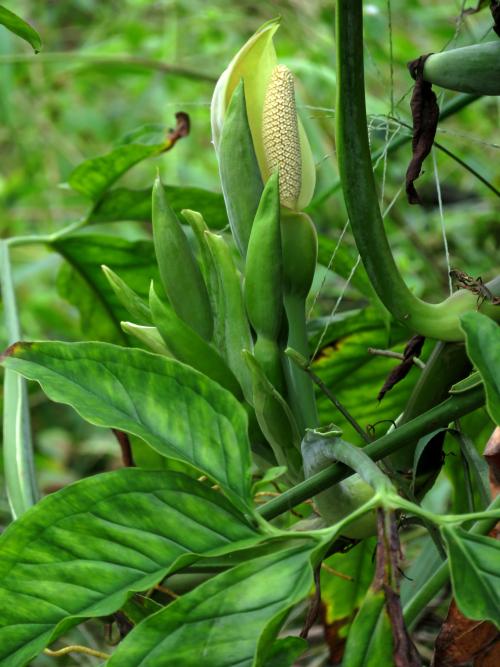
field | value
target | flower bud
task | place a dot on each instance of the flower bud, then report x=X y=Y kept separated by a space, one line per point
x=279 y=139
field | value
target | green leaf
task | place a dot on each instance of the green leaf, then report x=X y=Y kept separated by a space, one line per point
x=93 y=177
x=475 y=573
x=190 y=348
x=476 y=464
x=341 y=596
x=344 y=260
x=123 y=204
x=270 y=475
x=356 y=376
x=221 y=621
x=483 y=347
x=369 y=643
x=176 y=410
x=419 y=450
x=285 y=652
x=87 y=287
x=81 y=551
x=468 y=383
x=15 y=24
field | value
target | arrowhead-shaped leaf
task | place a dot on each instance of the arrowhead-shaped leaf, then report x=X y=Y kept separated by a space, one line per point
x=179 y=412
x=81 y=551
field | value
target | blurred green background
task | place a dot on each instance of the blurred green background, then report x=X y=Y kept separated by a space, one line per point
x=107 y=67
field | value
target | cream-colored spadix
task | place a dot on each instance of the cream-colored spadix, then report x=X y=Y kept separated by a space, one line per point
x=279 y=139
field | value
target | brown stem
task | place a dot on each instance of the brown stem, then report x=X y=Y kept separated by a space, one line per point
x=124 y=442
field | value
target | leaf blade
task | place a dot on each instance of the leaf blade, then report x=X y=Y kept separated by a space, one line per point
x=478 y=593
x=128 y=389
x=483 y=347
x=140 y=524
x=195 y=628
x=19 y=27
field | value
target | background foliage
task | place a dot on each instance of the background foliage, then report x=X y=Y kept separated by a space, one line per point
x=105 y=69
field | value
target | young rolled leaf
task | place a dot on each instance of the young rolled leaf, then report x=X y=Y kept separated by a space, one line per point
x=470 y=69
x=239 y=172
x=483 y=348
x=263 y=287
x=148 y=336
x=83 y=550
x=179 y=270
x=128 y=298
x=231 y=322
x=176 y=410
x=187 y=346
x=19 y=27
x=200 y=627
x=275 y=419
x=210 y=274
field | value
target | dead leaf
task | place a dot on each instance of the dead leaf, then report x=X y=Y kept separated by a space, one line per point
x=461 y=640
x=413 y=349
x=425 y=113
x=492 y=455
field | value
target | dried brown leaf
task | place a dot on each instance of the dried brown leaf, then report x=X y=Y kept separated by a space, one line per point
x=413 y=349
x=425 y=114
x=461 y=640
x=492 y=455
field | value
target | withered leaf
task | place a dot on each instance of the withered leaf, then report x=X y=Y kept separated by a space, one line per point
x=462 y=640
x=492 y=456
x=425 y=113
x=412 y=349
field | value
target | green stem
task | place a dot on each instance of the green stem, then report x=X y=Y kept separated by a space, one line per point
x=113 y=60
x=438 y=417
x=400 y=503
x=300 y=387
x=20 y=477
x=303 y=363
x=439 y=579
x=355 y=166
x=47 y=239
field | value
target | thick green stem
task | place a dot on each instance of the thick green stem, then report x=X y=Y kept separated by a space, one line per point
x=300 y=387
x=438 y=417
x=20 y=478
x=355 y=166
